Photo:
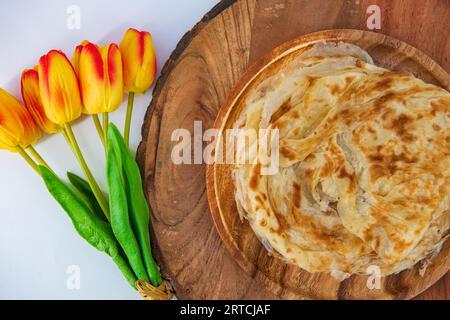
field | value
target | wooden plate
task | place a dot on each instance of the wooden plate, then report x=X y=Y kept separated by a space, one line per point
x=237 y=235
x=194 y=83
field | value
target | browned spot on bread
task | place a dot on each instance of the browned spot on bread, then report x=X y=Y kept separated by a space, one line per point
x=387 y=164
x=425 y=200
x=324 y=262
x=377 y=243
x=311 y=80
x=326 y=168
x=440 y=105
x=297 y=131
x=287 y=153
x=263 y=223
x=282 y=222
x=345 y=113
x=401 y=202
x=436 y=127
x=351 y=177
x=376 y=157
x=254 y=180
x=334 y=89
x=359 y=63
x=309 y=173
x=260 y=200
x=285 y=107
x=337 y=157
x=297 y=196
x=310 y=158
x=389 y=96
x=383 y=85
x=378 y=170
x=368 y=236
x=400 y=127
x=349 y=79
x=388 y=113
x=399 y=244
x=373 y=132
x=402 y=157
x=319 y=232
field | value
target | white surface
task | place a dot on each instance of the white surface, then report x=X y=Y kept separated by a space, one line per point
x=37 y=240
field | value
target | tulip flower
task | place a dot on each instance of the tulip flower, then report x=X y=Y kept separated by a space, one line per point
x=76 y=66
x=33 y=102
x=139 y=60
x=18 y=131
x=101 y=80
x=61 y=98
x=17 y=127
x=139 y=67
x=59 y=89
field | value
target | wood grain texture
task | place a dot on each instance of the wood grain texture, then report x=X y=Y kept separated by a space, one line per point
x=193 y=85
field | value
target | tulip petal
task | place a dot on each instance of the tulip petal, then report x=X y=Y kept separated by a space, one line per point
x=76 y=57
x=59 y=88
x=33 y=102
x=92 y=79
x=112 y=62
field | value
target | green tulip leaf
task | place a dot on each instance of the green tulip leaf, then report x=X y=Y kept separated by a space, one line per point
x=89 y=226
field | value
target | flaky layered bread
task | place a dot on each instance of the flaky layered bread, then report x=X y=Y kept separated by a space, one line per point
x=364 y=164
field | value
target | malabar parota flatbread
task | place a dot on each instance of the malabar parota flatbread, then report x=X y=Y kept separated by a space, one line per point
x=364 y=164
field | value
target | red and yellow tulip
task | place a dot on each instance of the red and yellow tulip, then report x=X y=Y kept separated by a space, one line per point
x=33 y=102
x=100 y=77
x=139 y=68
x=17 y=127
x=59 y=88
x=139 y=60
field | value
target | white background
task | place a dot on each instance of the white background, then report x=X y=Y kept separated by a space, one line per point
x=37 y=240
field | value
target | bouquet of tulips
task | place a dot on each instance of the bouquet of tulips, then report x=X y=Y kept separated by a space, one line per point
x=55 y=93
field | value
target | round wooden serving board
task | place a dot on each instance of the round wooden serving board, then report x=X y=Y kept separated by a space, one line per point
x=194 y=84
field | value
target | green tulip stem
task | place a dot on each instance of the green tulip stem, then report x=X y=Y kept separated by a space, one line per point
x=94 y=185
x=28 y=159
x=99 y=128
x=105 y=129
x=126 y=133
x=67 y=139
x=38 y=157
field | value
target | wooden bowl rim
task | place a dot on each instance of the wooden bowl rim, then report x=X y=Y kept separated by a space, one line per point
x=345 y=35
